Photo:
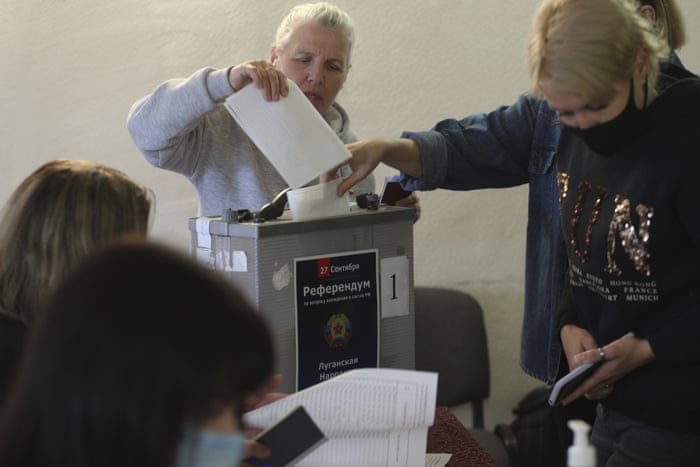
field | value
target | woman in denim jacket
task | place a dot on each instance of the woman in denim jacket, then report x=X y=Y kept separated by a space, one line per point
x=512 y=145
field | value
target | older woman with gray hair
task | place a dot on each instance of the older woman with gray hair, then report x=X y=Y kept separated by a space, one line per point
x=183 y=126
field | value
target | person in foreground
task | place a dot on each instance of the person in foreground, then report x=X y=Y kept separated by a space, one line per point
x=53 y=219
x=142 y=357
x=183 y=125
x=627 y=162
x=12 y=337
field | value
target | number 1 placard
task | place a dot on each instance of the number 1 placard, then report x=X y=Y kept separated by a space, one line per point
x=394 y=284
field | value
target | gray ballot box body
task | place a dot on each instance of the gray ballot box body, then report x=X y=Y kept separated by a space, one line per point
x=260 y=259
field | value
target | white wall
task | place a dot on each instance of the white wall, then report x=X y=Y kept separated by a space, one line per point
x=71 y=69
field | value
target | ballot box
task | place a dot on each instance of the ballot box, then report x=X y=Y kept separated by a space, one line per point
x=336 y=291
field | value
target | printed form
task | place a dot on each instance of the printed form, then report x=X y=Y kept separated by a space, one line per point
x=371 y=416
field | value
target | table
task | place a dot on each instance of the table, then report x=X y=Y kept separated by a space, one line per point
x=448 y=435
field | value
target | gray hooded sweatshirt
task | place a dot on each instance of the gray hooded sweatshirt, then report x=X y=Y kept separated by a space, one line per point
x=183 y=126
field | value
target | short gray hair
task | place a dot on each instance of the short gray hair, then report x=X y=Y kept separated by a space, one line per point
x=322 y=14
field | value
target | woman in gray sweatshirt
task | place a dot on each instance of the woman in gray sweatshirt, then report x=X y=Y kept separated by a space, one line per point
x=183 y=125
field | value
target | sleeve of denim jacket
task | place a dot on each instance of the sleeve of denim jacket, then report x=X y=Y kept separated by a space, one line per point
x=488 y=150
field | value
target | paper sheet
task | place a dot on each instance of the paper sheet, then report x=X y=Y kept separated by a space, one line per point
x=371 y=416
x=290 y=132
x=437 y=460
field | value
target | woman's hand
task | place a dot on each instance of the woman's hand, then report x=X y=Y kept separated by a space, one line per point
x=365 y=157
x=620 y=357
x=263 y=74
x=411 y=201
x=575 y=340
x=402 y=154
x=328 y=176
x=255 y=449
x=264 y=395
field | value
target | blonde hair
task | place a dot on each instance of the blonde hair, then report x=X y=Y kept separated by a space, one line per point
x=669 y=22
x=582 y=46
x=54 y=218
x=322 y=14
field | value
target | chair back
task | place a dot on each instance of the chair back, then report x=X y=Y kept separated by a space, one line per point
x=451 y=340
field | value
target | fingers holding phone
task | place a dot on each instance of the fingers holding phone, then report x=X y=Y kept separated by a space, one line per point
x=613 y=361
x=596 y=383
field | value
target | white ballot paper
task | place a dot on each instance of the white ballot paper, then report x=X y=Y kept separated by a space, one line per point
x=290 y=132
x=371 y=416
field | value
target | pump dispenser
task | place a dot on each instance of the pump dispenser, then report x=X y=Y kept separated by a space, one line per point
x=581 y=453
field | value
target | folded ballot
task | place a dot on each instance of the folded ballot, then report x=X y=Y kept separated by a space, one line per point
x=289 y=132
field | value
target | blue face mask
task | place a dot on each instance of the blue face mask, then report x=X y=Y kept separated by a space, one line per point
x=208 y=448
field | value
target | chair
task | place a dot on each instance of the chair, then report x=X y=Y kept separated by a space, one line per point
x=451 y=340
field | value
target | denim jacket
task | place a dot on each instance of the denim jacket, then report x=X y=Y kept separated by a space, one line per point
x=510 y=146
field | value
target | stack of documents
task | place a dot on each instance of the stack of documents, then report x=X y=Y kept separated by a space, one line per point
x=371 y=416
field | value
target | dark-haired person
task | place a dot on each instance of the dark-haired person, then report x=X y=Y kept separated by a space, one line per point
x=53 y=219
x=12 y=336
x=142 y=357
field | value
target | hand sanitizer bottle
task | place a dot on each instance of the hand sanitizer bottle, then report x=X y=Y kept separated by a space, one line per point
x=581 y=453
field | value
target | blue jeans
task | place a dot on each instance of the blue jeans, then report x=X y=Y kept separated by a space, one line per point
x=623 y=442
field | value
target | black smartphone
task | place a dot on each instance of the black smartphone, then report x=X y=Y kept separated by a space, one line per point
x=564 y=386
x=289 y=440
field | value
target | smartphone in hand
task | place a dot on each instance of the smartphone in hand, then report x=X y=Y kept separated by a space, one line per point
x=565 y=386
x=289 y=440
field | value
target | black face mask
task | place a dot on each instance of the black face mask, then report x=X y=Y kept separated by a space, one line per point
x=608 y=137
